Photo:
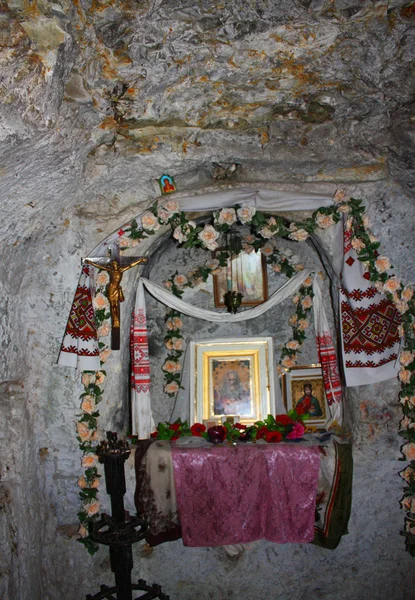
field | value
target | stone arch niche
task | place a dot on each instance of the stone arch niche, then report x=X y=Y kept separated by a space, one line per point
x=165 y=257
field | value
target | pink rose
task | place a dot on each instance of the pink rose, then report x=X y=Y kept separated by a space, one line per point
x=404 y=375
x=88 y=404
x=303 y=324
x=100 y=301
x=298 y=235
x=324 y=221
x=297 y=432
x=227 y=216
x=171 y=366
x=171 y=388
x=104 y=354
x=83 y=432
x=392 y=284
x=149 y=221
x=406 y=357
x=180 y=280
x=289 y=361
x=104 y=330
x=89 y=461
x=102 y=278
x=292 y=345
x=82 y=482
x=382 y=264
x=82 y=532
x=100 y=377
x=245 y=214
x=92 y=508
x=357 y=244
x=407 y=293
x=208 y=237
x=307 y=302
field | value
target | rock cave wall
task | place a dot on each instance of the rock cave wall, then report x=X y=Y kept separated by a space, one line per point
x=98 y=99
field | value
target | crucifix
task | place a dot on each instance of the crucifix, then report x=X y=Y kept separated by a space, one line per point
x=115 y=265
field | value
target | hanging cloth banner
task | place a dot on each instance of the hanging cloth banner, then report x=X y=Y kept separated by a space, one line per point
x=327 y=357
x=80 y=344
x=369 y=325
x=143 y=428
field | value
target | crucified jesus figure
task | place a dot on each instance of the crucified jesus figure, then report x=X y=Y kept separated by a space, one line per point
x=114 y=290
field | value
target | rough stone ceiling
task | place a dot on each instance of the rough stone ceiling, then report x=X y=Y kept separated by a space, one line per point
x=320 y=89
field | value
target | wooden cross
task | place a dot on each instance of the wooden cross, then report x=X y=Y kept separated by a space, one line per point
x=115 y=265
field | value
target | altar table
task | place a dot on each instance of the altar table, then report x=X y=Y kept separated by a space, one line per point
x=222 y=495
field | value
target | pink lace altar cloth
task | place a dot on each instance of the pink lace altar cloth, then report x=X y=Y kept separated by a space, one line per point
x=244 y=493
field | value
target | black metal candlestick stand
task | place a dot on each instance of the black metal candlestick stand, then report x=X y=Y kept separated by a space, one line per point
x=120 y=530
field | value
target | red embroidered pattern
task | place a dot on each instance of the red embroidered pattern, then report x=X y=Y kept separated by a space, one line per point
x=140 y=363
x=347 y=241
x=371 y=363
x=360 y=294
x=327 y=358
x=81 y=321
x=370 y=330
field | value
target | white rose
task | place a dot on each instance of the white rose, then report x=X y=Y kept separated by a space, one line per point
x=149 y=221
x=246 y=213
x=179 y=235
x=208 y=237
x=227 y=216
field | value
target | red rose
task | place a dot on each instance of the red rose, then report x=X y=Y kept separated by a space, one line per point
x=175 y=426
x=175 y=437
x=240 y=426
x=154 y=434
x=262 y=432
x=284 y=420
x=197 y=429
x=273 y=437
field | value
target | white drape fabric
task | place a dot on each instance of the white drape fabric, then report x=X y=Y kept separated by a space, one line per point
x=143 y=428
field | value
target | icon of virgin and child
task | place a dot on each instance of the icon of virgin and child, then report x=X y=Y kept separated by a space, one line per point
x=231 y=392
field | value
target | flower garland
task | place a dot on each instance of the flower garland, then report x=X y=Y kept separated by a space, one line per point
x=288 y=426
x=264 y=228
x=87 y=425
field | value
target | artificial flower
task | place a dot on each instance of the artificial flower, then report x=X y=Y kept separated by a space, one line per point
x=303 y=324
x=89 y=460
x=299 y=235
x=266 y=232
x=299 y=267
x=409 y=451
x=297 y=432
x=344 y=208
x=292 y=345
x=357 y=244
x=339 y=196
x=174 y=323
x=92 y=508
x=247 y=248
x=406 y=357
x=392 y=284
x=171 y=366
x=105 y=354
x=408 y=474
x=262 y=432
x=83 y=431
x=289 y=361
x=180 y=280
x=267 y=249
x=407 y=293
x=324 y=221
x=82 y=532
x=308 y=282
x=284 y=420
x=405 y=376
x=227 y=216
x=365 y=220
x=180 y=235
x=296 y=299
x=307 y=302
x=175 y=426
x=100 y=301
x=212 y=264
x=273 y=437
x=402 y=306
x=382 y=264
x=95 y=483
x=99 y=377
x=276 y=268
x=88 y=404
x=293 y=319
x=104 y=330
x=102 y=278
x=240 y=426
x=174 y=343
x=87 y=379
x=171 y=388
x=124 y=243
x=208 y=237
x=197 y=429
x=82 y=482
x=245 y=214
x=149 y=221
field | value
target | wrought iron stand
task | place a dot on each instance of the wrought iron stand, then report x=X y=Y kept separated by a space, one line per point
x=120 y=530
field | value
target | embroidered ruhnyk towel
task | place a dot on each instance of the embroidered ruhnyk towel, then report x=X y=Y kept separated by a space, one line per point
x=370 y=339
x=80 y=344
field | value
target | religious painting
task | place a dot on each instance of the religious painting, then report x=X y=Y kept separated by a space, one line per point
x=167 y=184
x=232 y=378
x=245 y=273
x=303 y=389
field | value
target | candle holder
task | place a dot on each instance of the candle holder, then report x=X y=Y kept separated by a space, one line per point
x=119 y=530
